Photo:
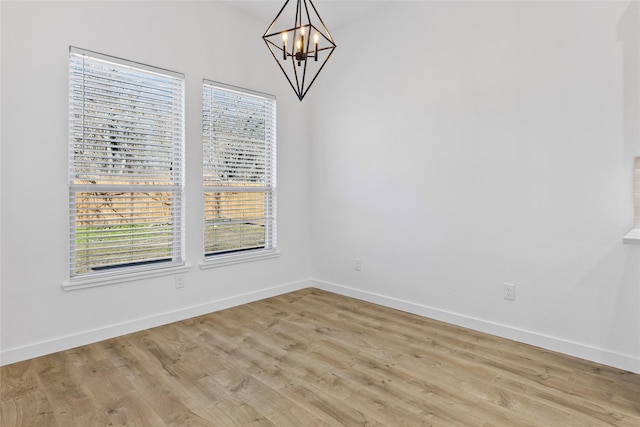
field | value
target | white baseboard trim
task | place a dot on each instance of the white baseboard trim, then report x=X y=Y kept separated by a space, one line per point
x=17 y=354
x=622 y=361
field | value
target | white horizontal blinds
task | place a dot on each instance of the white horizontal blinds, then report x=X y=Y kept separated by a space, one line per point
x=239 y=135
x=126 y=144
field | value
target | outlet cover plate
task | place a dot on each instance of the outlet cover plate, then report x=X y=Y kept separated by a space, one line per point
x=509 y=292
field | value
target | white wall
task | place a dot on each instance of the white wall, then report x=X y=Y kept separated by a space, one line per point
x=454 y=147
x=478 y=143
x=201 y=40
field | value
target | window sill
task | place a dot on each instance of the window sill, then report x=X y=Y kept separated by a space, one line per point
x=223 y=260
x=633 y=237
x=94 y=281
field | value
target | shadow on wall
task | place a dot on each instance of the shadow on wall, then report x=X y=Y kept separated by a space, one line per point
x=629 y=35
x=631 y=275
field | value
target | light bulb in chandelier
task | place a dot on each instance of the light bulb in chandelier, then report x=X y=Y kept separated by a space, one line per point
x=293 y=45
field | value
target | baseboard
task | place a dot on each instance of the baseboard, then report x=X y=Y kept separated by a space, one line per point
x=599 y=355
x=17 y=354
x=582 y=351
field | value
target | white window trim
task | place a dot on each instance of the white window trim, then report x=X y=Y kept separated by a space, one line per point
x=633 y=237
x=123 y=277
x=221 y=260
x=127 y=274
x=240 y=258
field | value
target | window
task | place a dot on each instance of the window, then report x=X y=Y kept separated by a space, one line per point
x=239 y=150
x=126 y=144
x=633 y=237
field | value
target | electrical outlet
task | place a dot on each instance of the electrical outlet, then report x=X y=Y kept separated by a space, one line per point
x=509 y=291
x=179 y=281
x=358 y=264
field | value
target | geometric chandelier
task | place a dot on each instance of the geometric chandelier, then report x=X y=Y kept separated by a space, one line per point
x=302 y=47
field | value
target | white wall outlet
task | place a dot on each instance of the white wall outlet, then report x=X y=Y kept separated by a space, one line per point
x=179 y=281
x=357 y=264
x=509 y=291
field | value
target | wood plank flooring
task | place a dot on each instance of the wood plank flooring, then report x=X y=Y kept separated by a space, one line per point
x=312 y=358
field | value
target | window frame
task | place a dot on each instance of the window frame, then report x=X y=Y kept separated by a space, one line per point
x=633 y=237
x=173 y=188
x=270 y=249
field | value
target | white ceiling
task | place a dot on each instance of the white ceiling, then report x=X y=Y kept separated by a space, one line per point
x=334 y=13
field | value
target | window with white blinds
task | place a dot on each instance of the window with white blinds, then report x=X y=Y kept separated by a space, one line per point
x=239 y=150
x=126 y=151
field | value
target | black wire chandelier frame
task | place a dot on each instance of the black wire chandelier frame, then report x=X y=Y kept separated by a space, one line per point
x=299 y=57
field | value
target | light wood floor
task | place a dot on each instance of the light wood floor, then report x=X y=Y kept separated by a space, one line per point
x=312 y=358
